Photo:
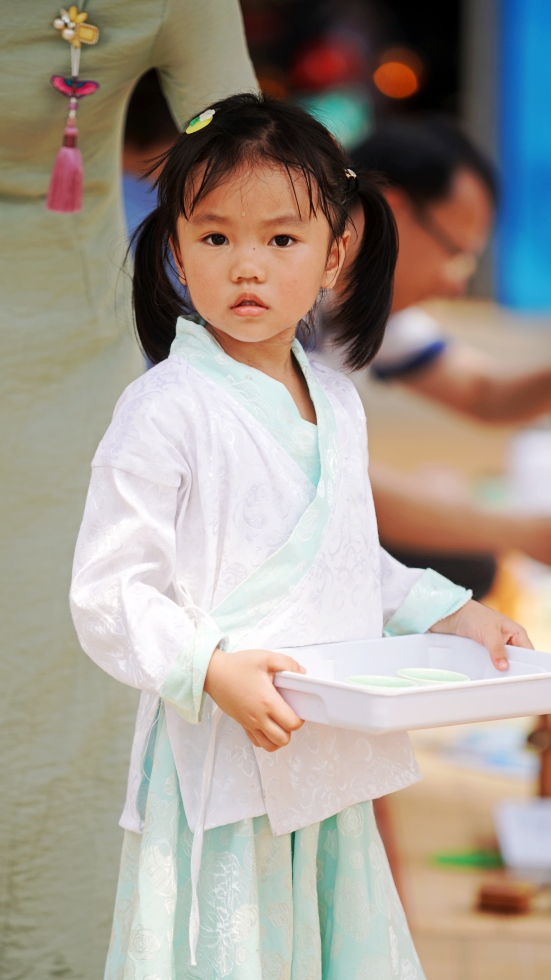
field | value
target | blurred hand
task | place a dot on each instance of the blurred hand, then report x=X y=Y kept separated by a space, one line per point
x=242 y=685
x=486 y=626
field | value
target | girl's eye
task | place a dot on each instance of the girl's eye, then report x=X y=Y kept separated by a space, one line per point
x=282 y=241
x=216 y=239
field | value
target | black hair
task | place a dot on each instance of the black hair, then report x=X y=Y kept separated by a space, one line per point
x=423 y=156
x=246 y=129
x=149 y=122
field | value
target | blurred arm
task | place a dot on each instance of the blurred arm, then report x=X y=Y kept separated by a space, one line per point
x=409 y=518
x=468 y=381
x=201 y=55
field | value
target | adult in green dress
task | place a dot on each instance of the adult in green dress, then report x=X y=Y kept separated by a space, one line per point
x=67 y=350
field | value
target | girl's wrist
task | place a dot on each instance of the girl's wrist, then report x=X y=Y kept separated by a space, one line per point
x=451 y=623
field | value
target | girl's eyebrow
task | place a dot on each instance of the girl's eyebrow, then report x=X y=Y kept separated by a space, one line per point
x=290 y=217
x=210 y=217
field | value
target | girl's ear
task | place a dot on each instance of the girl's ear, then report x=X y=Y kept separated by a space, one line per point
x=335 y=260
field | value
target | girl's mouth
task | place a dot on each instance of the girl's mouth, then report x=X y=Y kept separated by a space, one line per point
x=249 y=306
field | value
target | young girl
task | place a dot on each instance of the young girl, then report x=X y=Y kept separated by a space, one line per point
x=230 y=515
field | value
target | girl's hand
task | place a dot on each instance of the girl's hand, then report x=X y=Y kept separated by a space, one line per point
x=492 y=629
x=242 y=685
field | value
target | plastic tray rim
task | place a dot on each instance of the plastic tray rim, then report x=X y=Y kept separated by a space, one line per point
x=394 y=692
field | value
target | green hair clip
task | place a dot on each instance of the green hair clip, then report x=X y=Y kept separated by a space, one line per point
x=200 y=121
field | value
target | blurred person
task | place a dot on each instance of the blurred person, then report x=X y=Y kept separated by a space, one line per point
x=442 y=191
x=67 y=353
x=443 y=194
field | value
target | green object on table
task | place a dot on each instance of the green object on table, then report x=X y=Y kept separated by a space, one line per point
x=485 y=858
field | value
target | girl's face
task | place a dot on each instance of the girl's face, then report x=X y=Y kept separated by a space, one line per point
x=253 y=261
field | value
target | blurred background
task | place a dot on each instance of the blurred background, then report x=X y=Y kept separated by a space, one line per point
x=484 y=66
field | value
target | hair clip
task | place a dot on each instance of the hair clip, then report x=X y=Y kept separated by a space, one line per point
x=200 y=121
x=350 y=173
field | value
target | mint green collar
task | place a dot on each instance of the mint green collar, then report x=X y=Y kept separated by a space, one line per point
x=276 y=579
x=267 y=400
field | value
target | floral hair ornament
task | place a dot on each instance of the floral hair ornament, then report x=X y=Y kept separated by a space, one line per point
x=200 y=121
x=65 y=190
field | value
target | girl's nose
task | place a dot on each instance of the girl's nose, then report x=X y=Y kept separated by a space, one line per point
x=247 y=265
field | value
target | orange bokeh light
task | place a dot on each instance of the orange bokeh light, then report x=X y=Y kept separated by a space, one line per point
x=396 y=80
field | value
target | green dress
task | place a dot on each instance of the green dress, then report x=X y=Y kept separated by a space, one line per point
x=67 y=351
x=317 y=904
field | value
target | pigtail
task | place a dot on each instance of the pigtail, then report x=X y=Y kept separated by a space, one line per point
x=359 y=321
x=157 y=304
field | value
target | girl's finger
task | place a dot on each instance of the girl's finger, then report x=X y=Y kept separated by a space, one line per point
x=282 y=714
x=275 y=733
x=493 y=641
x=263 y=742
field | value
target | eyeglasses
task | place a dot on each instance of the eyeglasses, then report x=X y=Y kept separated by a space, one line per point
x=462 y=264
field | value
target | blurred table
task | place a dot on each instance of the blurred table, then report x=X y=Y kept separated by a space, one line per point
x=450 y=810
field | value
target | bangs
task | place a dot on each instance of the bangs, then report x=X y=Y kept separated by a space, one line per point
x=188 y=177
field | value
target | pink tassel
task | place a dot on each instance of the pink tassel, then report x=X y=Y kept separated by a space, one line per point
x=65 y=190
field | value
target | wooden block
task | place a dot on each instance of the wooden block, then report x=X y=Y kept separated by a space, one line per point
x=505 y=896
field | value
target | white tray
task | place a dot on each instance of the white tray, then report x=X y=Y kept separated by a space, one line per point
x=322 y=694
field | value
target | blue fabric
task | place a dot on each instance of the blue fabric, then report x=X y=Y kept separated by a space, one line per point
x=139 y=200
x=524 y=81
x=417 y=361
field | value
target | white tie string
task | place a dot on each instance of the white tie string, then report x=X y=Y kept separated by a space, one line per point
x=197 y=846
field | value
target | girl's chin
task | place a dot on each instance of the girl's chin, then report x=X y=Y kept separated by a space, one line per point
x=251 y=332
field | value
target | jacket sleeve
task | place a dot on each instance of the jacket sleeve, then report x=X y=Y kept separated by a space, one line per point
x=201 y=55
x=414 y=599
x=123 y=603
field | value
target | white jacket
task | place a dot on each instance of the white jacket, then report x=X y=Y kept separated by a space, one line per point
x=201 y=529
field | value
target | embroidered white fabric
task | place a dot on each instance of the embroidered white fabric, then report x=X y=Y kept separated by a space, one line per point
x=189 y=495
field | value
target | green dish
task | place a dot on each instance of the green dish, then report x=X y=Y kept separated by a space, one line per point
x=429 y=675
x=378 y=680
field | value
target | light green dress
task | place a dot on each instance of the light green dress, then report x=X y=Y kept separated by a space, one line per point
x=318 y=903
x=67 y=351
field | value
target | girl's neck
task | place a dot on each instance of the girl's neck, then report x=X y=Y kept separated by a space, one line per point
x=273 y=356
